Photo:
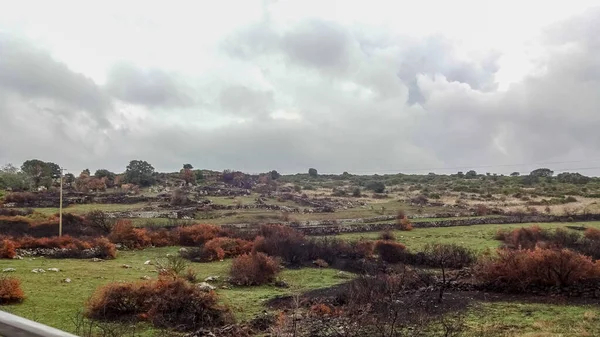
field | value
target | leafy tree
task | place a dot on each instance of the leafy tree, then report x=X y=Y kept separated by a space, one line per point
x=573 y=178
x=376 y=186
x=274 y=175
x=11 y=178
x=69 y=179
x=106 y=176
x=188 y=176
x=313 y=172
x=542 y=173
x=199 y=176
x=139 y=172
x=460 y=174
x=188 y=167
x=471 y=174
x=86 y=172
x=40 y=173
x=515 y=174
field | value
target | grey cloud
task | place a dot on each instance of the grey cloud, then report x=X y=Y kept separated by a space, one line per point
x=245 y=101
x=148 y=87
x=34 y=74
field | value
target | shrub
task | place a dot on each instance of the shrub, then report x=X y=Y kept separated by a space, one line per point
x=253 y=269
x=227 y=247
x=321 y=263
x=167 y=303
x=518 y=269
x=525 y=237
x=403 y=222
x=387 y=235
x=104 y=248
x=282 y=241
x=163 y=237
x=130 y=237
x=448 y=256
x=10 y=291
x=592 y=234
x=100 y=221
x=356 y=192
x=7 y=249
x=391 y=252
x=197 y=235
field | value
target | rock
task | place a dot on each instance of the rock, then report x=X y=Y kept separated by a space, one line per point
x=205 y=286
x=183 y=250
x=56 y=270
x=67 y=280
x=343 y=274
x=148 y=262
x=281 y=284
x=126 y=266
x=38 y=270
x=211 y=278
x=145 y=277
x=18 y=257
x=8 y=270
x=96 y=260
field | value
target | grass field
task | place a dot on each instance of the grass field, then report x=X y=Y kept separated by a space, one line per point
x=53 y=302
x=477 y=237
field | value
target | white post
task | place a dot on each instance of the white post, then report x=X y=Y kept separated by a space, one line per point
x=61 y=202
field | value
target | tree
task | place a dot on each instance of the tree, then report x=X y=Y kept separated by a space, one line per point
x=106 y=176
x=11 y=178
x=460 y=174
x=188 y=167
x=69 y=179
x=313 y=172
x=139 y=172
x=542 y=173
x=471 y=174
x=40 y=173
x=188 y=175
x=86 y=172
x=274 y=175
x=515 y=174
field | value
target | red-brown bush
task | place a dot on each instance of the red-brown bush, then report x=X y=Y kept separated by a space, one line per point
x=521 y=268
x=10 y=291
x=104 y=248
x=403 y=223
x=221 y=248
x=163 y=237
x=68 y=247
x=133 y=238
x=284 y=242
x=391 y=252
x=167 y=303
x=61 y=242
x=253 y=269
x=197 y=235
x=7 y=249
x=387 y=235
x=525 y=237
x=592 y=234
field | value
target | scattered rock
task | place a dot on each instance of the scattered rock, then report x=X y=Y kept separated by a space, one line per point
x=343 y=274
x=145 y=277
x=18 y=257
x=56 y=270
x=126 y=266
x=67 y=280
x=38 y=270
x=211 y=278
x=8 y=270
x=281 y=284
x=148 y=262
x=225 y=287
x=97 y=260
x=205 y=286
x=183 y=250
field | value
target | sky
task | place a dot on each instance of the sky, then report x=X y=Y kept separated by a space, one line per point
x=255 y=85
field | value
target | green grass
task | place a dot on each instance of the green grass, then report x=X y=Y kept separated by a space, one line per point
x=53 y=302
x=477 y=237
x=85 y=208
x=508 y=319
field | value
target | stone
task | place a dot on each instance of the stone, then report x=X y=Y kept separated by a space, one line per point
x=8 y=270
x=56 y=270
x=148 y=262
x=18 y=257
x=145 y=277
x=205 y=286
x=281 y=284
x=38 y=270
x=97 y=260
x=343 y=274
x=126 y=266
x=183 y=250
x=211 y=278
x=67 y=280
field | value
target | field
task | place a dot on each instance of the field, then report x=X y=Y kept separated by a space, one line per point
x=52 y=301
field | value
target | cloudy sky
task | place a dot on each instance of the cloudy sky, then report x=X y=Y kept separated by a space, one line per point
x=254 y=85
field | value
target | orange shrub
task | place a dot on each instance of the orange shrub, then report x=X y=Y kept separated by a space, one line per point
x=592 y=234
x=167 y=303
x=10 y=291
x=197 y=235
x=133 y=238
x=390 y=251
x=253 y=269
x=221 y=248
x=62 y=242
x=321 y=309
x=551 y=267
x=387 y=235
x=7 y=249
x=163 y=237
x=404 y=224
x=104 y=248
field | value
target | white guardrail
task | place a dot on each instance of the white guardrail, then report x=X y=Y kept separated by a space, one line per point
x=16 y=326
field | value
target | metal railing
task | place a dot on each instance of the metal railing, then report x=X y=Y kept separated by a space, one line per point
x=16 y=326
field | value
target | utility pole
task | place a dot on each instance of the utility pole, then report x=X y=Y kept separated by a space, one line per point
x=61 y=202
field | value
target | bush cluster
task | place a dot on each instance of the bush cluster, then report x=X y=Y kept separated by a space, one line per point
x=60 y=247
x=166 y=303
x=218 y=249
x=10 y=291
x=253 y=269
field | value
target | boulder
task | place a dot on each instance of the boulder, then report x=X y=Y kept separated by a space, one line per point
x=205 y=286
